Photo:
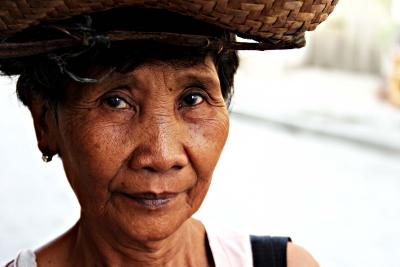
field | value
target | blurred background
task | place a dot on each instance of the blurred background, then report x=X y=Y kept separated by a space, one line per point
x=313 y=151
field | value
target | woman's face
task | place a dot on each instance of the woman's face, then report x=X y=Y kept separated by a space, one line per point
x=139 y=149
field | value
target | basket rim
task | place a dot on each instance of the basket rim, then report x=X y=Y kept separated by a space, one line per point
x=281 y=23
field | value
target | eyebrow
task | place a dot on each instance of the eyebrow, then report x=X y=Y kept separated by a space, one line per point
x=198 y=79
x=199 y=73
x=120 y=82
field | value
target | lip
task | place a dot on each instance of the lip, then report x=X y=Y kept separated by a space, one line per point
x=151 y=200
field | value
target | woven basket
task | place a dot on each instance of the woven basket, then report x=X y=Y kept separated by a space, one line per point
x=271 y=21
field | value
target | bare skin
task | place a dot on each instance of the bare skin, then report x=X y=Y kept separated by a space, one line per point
x=299 y=257
x=71 y=249
x=139 y=150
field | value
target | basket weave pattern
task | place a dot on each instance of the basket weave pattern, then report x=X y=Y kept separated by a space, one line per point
x=264 y=20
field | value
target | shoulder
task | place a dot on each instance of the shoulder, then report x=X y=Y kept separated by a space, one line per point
x=299 y=257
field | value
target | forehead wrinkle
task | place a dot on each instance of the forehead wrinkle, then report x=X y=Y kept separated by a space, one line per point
x=146 y=76
x=120 y=80
x=201 y=73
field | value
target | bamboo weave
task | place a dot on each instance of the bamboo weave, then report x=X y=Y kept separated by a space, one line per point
x=272 y=21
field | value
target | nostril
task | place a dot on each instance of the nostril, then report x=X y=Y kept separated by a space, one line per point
x=177 y=167
x=149 y=169
x=153 y=169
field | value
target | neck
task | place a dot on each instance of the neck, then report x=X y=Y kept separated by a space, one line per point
x=185 y=247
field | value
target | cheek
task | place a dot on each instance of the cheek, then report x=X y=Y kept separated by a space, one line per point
x=92 y=153
x=208 y=134
x=208 y=138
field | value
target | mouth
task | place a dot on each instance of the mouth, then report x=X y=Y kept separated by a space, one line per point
x=150 y=200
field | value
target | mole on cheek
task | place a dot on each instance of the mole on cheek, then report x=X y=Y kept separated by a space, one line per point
x=97 y=145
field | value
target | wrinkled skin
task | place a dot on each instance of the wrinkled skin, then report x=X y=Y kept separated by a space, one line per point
x=158 y=129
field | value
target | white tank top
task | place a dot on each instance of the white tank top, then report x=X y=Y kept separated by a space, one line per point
x=229 y=249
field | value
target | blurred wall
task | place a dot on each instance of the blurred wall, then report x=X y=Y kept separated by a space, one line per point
x=359 y=37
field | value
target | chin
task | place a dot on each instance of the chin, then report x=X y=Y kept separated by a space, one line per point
x=146 y=226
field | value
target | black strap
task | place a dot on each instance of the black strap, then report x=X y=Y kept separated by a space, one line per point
x=269 y=251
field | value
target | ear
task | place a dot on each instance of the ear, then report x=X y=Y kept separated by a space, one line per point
x=45 y=123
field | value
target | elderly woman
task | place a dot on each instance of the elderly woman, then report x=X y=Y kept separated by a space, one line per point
x=133 y=98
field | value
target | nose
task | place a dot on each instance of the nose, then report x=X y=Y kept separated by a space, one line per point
x=160 y=148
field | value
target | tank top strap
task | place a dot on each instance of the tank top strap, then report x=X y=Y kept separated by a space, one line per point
x=26 y=258
x=229 y=248
x=269 y=251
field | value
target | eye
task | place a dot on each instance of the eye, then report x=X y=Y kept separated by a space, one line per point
x=192 y=100
x=117 y=102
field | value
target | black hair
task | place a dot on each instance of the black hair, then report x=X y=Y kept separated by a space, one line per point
x=46 y=76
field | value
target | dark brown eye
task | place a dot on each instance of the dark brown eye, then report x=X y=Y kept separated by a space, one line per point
x=116 y=102
x=192 y=100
